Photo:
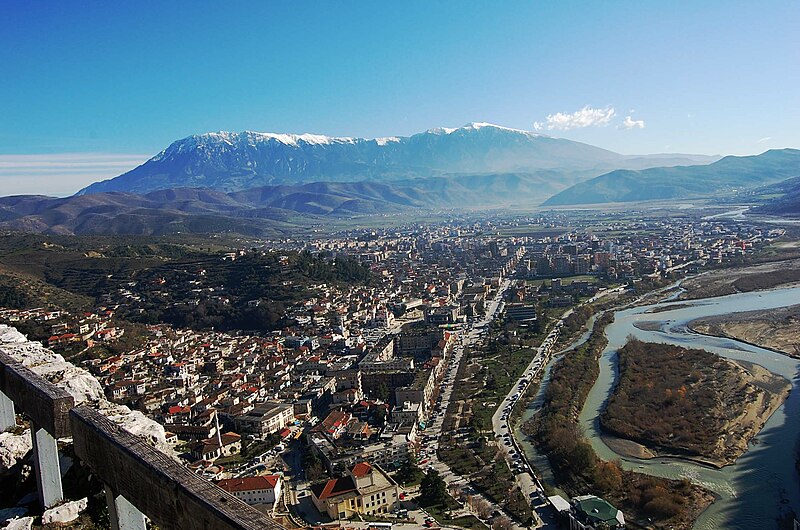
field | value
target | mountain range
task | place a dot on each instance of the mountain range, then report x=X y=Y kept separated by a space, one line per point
x=267 y=183
x=236 y=161
x=257 y=211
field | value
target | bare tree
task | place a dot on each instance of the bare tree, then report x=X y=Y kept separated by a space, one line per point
x=502 y=523
x=483 y=508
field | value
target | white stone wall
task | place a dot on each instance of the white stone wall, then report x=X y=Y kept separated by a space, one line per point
x=79 y=383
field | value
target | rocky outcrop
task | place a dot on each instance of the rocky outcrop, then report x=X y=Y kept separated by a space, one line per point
x=65 y=513
x=20 y=523
x=77 y=381
x=14 y=447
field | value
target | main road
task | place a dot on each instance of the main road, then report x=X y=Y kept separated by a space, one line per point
x=527 y=481
x=434 y=428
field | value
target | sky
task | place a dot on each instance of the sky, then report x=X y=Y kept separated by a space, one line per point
x=89 y=90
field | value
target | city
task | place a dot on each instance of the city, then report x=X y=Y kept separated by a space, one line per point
x=400 y=266
x=371 y=383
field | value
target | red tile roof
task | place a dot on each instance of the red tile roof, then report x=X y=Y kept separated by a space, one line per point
x=334 y=487
x=361 y=469
x=261 y=482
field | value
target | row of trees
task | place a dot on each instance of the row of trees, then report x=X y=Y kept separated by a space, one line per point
x=577 y=467
x=575 y=321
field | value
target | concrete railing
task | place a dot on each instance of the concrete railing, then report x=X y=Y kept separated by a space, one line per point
x=139 y=479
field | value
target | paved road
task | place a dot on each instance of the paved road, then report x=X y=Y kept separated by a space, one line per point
x=435 y=427
x=528 y=482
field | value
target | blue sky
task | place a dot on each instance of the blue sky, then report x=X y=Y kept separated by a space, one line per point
x=89 y=89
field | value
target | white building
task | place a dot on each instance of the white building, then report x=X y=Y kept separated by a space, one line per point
x=255 y=491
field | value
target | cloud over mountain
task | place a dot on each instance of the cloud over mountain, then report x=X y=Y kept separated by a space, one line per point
x=585 y=117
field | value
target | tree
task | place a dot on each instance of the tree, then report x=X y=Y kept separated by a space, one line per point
x=383 y=392
x=502 y=523
x=408 y=472
x=433 y=488
x=482 y=508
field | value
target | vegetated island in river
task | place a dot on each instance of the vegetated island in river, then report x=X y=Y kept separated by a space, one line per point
x=774 y=329
x=649 y=501
x=689 y=402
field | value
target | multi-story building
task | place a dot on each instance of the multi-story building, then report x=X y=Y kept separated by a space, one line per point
x=588 y=512
x=365 y=489
x=265 y=418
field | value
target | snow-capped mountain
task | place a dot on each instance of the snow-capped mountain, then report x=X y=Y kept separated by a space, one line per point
x=234 y=161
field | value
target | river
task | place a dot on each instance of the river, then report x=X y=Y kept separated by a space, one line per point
x=763 y=482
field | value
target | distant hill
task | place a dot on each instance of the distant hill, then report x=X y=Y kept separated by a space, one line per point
x=257 y=211
x=265 y=210
x=727 y=174
x=227 y=161
x=787 y=201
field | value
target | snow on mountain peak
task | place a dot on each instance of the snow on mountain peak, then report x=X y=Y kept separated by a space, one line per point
x=225 y=139
x=483 y=125
x=295 y=139
x=215 y=139
x=387 y=140
x=476 y=126
x=441 y=130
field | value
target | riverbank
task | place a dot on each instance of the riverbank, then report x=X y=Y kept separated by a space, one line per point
x=649 y=501
x=776 y=329
x=750 y=493
x=689 y=403
x=760 y=277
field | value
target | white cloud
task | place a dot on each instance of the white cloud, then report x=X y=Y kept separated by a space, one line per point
x=765 y=139
x=630 y=123
x=60 y=174
x=585 y=117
